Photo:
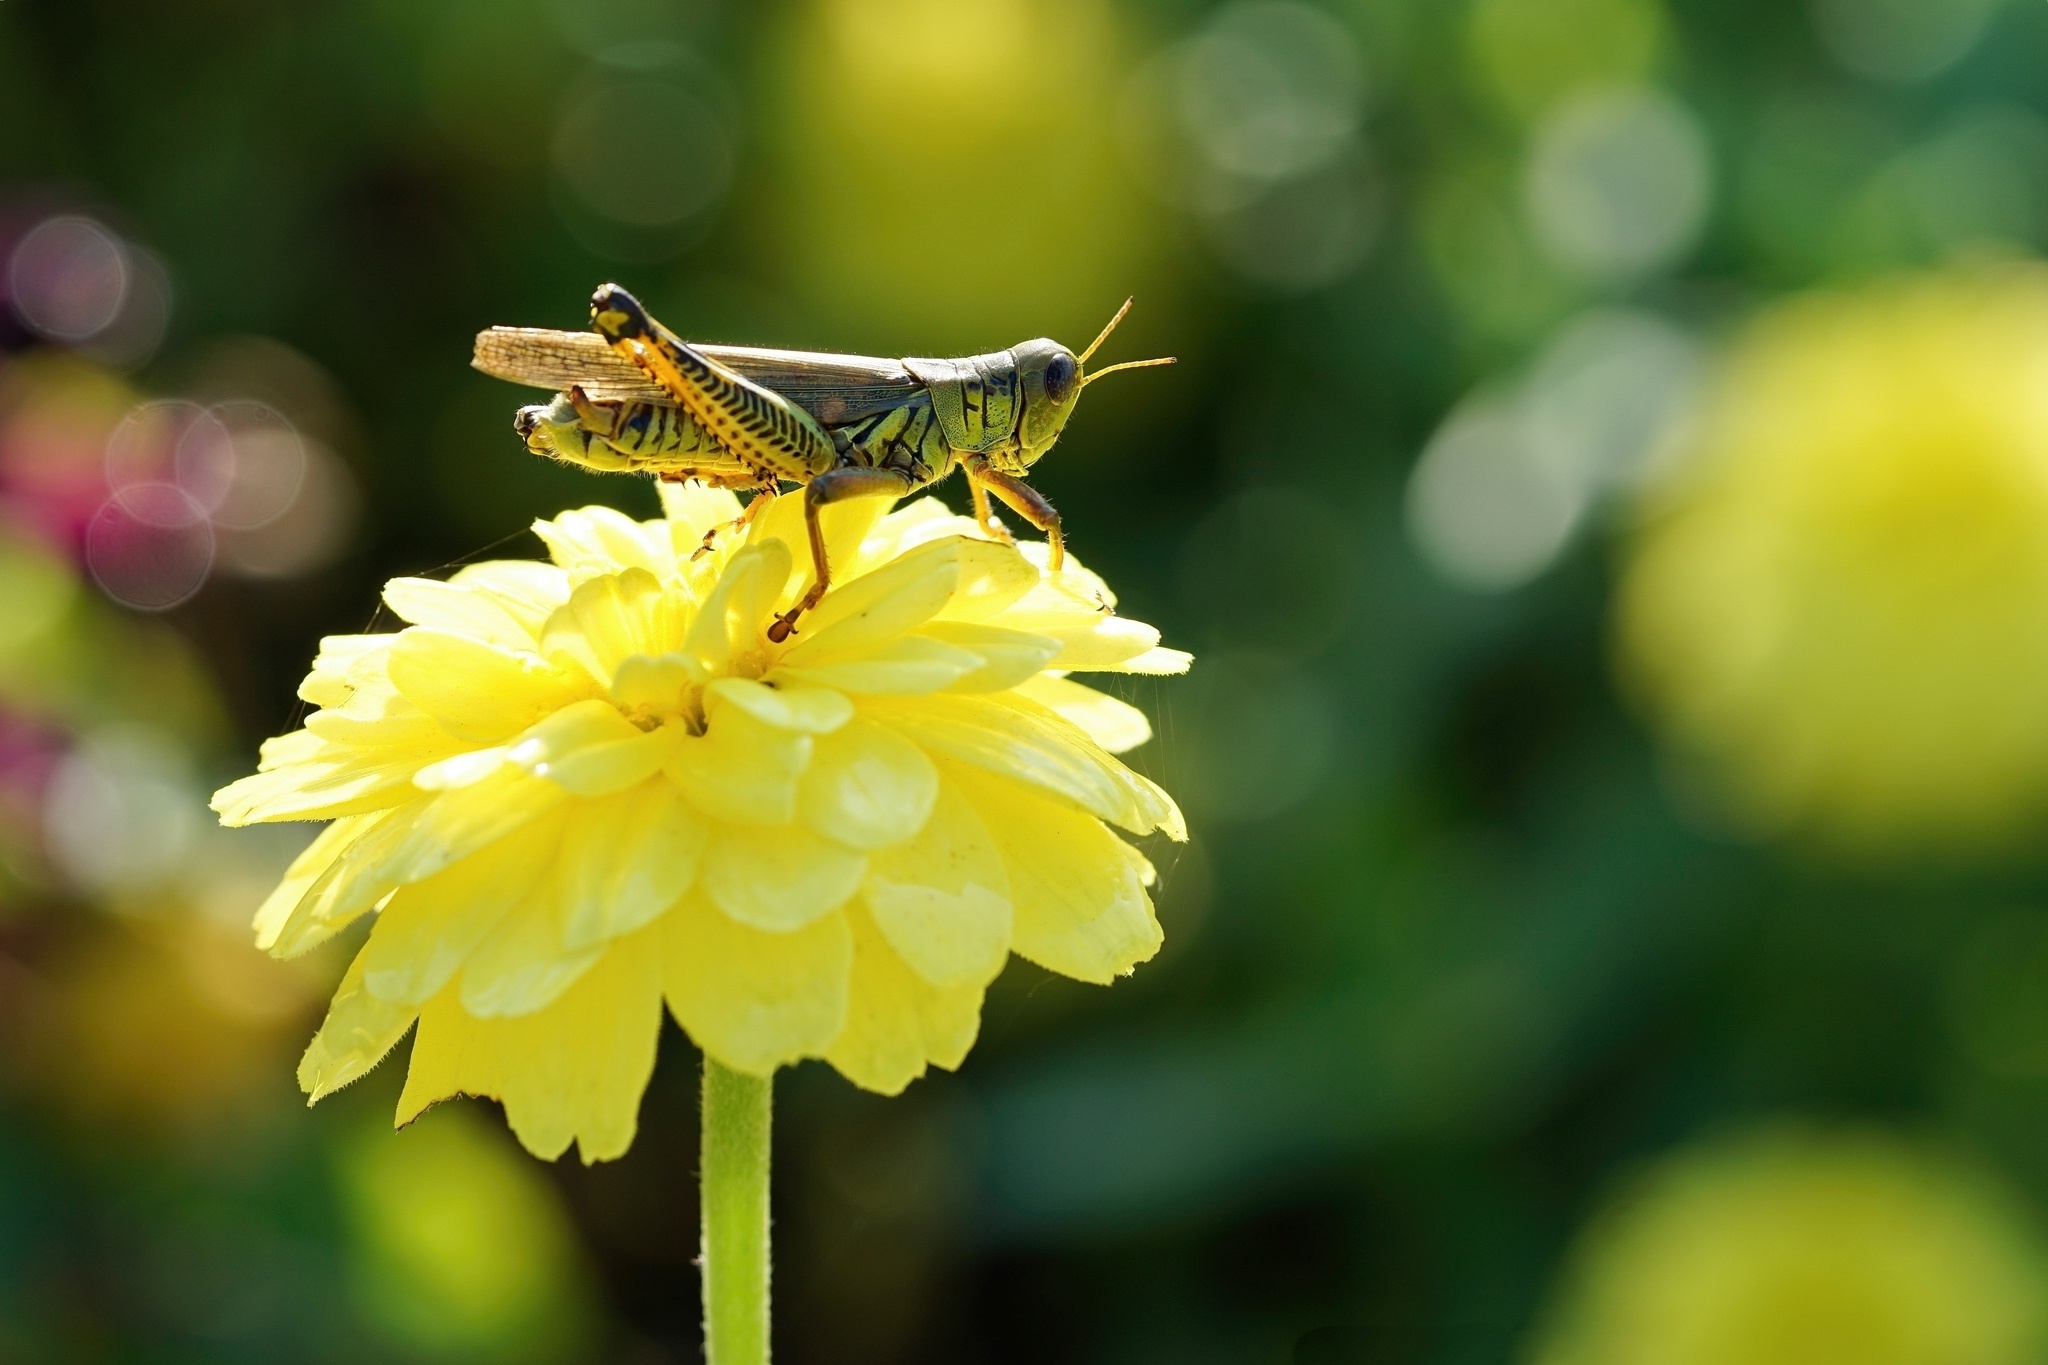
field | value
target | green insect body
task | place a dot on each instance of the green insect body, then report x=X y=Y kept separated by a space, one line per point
x=621 y=435
x=633 y=396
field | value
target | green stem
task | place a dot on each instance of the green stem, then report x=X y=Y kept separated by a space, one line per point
x=734 y=1160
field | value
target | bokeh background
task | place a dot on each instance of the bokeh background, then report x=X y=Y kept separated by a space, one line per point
x=1605 y=486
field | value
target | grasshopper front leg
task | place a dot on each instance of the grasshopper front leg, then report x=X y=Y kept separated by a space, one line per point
x=756 y=425
x=1026 y=501
x=848 y=481
x=983 y=516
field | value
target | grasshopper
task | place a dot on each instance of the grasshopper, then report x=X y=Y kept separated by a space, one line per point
x=635 y=396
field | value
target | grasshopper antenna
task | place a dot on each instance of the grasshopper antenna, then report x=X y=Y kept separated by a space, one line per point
x=1086 y=380
x=1096 y=344
x=1104 y=336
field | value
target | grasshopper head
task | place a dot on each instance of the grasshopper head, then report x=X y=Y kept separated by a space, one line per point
x=1053 y=378
x=1050 y=377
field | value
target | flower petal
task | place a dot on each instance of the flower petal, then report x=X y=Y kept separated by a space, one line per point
x=572 y=1072
x=1116 y=725
x=592 y=750
x=457 y=822
x=305 y=870
x=360 y=1028
x=1018 y=739
x=374 y=711
x=304 y=777
x=845 y=525
x=463 y=770
x=742 y=769
x=625 y=859
x=897 y=1023
x=1074 y=583
x=607 y=879
x=529 y=589
x=458 y=608
x=1078 y=890
x=408 y=844
x=993 y=578
x=654 y=686
x=880 y=605
x=781 y=878
x=1160 y=662
x=942 y=899
x=692 y=510
x=755 y=1000
x=1008 y=656
x=429 y=928
x=611 y=618
x=917 y=522
x=867 y=786
x=909 y=665
x=347 y=887
x=328 y=682
x=399 y=727
x=733 y=616
x=808 y=710
x=1097 y=642
x=522 y=965
x=591 y=542
x=479 y=692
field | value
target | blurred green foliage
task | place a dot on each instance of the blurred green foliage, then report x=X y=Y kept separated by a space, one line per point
x=1451 y=952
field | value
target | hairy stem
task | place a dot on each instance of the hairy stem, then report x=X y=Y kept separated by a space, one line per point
x=734 y=1161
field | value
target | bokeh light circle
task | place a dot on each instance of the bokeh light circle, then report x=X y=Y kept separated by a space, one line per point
x=156 y=438
x=1304 y=232
x=1901 y=41
x=150 y=546
x=1601 y=401
x=1618 y=183
x=265 y=465
x=120 y=812
x=645 y=153
x=1484 y=509
x=1271 y=89
x=310 y=531
x=68 y=278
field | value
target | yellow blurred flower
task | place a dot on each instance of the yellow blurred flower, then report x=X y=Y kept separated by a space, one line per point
x=460 y=1251
x=1529 y=53
x=156 y=1023
x=1841 y=602
x=577 y=789
x=1797 y=1248
x=928 y=154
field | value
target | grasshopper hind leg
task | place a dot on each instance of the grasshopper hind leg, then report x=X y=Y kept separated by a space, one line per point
x=764 y=494
x=834 y=485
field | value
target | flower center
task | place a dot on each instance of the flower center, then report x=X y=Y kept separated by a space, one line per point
x=651 y=691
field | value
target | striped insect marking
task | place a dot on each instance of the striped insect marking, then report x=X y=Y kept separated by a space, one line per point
x=754 y=424
x=975 y=397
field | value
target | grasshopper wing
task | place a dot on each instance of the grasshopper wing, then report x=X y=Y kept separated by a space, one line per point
x=548 y=359
x=832 y=388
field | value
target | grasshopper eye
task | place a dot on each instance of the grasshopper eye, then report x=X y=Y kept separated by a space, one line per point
x=1060 y=373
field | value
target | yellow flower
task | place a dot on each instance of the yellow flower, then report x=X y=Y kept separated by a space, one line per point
x=1802 y=1249
x=575 y=790
x=460 y=1250
x=1842 y=601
